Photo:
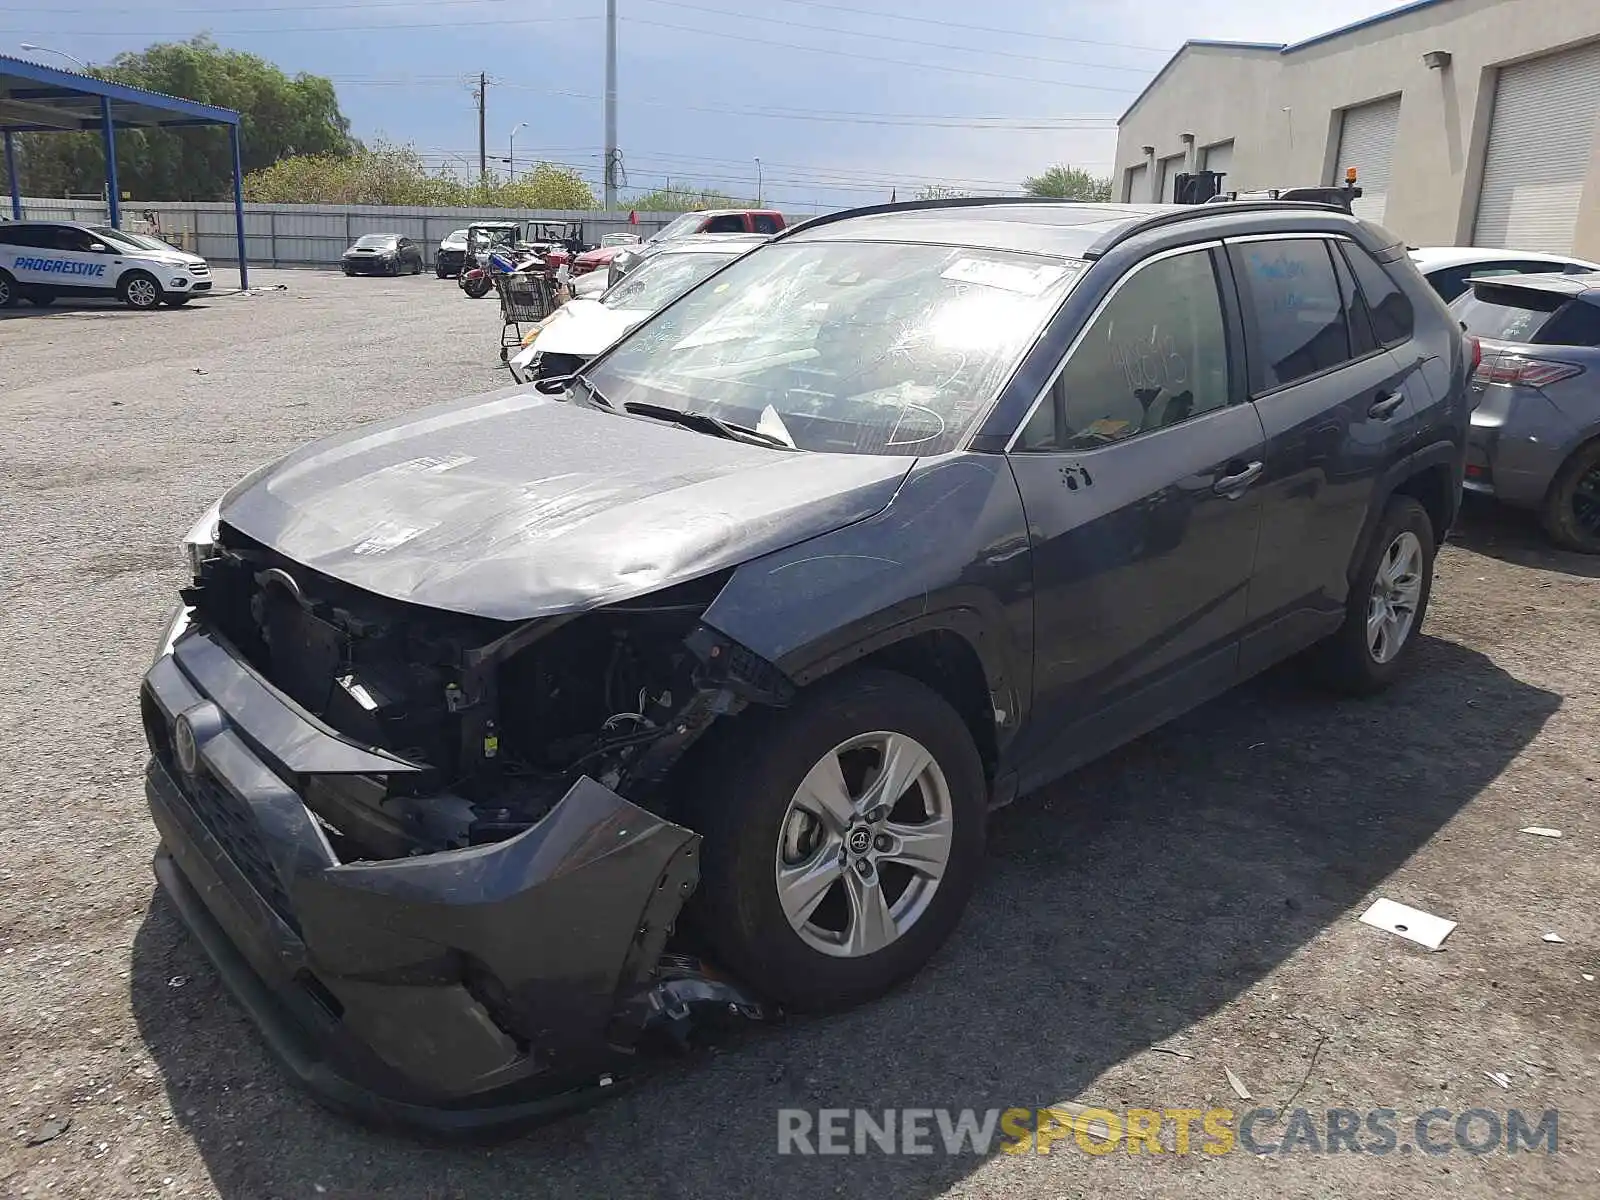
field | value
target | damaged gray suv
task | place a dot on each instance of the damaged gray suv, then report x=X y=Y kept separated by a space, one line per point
x=496 y=744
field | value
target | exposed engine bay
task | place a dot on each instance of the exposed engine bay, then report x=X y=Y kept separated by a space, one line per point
x=500 y=718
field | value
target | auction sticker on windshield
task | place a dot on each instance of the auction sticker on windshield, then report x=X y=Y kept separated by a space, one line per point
x=1011 y=277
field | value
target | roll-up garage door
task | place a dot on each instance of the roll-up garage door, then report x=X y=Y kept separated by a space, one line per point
x=1366 y=142
x=1139 y=184
x=1171 y=168
x=1220 y=158
x=1538 y=154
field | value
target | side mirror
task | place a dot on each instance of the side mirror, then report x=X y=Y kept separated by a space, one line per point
x=99 y=248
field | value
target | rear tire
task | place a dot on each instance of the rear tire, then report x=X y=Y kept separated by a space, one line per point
x=140 y=290
x=1571 y=513
x=873 y=919
x=1388 y=600
x=8 y=290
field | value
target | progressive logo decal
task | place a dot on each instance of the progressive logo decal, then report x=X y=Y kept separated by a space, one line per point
x=60 y=266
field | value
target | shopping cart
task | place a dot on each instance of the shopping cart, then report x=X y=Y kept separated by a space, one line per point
x=525 y=298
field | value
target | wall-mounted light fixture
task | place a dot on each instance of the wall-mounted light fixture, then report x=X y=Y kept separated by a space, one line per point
x=1436 y=60
x=1147 y=149
x=1186 y=138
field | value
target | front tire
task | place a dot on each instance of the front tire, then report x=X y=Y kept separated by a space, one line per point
x=843 y=838
x=8 y=290
x=1571 y=514
x=140 y=291
x=1388 y=600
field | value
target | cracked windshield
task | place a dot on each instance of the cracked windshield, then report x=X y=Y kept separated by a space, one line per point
x=864 y=348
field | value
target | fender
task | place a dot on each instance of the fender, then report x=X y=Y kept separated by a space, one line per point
x=1443 y=452
x=949 y=553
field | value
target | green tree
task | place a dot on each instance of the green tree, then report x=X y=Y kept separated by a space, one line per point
x=383 y=173
x=682 y=199
x=280 y=116
x=1062 y=182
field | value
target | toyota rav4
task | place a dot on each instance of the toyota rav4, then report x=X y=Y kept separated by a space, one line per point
x=493 y=743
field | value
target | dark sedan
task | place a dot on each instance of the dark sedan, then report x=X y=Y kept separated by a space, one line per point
x=452 y=254
x=477 y=727
x=382 y=254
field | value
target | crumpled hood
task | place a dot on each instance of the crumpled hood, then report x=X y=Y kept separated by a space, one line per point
x=516 y=505
x=585 y=327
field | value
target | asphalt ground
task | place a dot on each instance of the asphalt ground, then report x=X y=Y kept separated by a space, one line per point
x=1180 y=909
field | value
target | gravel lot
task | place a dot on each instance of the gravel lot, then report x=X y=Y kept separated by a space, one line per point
x=1196 y=892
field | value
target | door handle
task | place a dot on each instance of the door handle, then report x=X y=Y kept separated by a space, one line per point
x=1233 y=486
x=1386 y=405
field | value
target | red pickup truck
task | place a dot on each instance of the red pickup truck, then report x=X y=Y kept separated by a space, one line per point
x=714 y=220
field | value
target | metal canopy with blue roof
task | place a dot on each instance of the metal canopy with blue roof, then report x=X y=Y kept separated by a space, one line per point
x=38 y=99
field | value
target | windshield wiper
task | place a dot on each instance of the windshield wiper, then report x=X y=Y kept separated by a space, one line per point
x=705 y=423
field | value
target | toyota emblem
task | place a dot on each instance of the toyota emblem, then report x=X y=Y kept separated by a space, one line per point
x=184 y=745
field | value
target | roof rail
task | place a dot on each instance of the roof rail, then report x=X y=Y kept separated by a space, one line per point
x=872 y=210
x=1179 y=213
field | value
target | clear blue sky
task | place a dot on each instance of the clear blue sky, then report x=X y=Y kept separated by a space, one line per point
x=888 y=95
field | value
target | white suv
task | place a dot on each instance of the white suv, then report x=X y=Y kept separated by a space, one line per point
x=40 y=260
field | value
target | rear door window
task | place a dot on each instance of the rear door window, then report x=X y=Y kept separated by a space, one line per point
x=1295 y=318
x=765 y=223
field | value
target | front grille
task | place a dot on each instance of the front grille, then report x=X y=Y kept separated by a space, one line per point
x=231 y=822
x=225 y=816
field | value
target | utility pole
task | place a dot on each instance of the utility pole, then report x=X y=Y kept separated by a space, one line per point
x=611 y=106
x=483 y=143
x=758 y=183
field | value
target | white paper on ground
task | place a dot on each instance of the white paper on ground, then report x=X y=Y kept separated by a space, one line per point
x=1411 y=923
x=1540 y=831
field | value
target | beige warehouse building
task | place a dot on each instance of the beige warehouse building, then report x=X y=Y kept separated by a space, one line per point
x=1469 y=122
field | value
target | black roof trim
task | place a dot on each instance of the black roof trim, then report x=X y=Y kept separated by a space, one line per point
x=873 y=210
x=1186 y=212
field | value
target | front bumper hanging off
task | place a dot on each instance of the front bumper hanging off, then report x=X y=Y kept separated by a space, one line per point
x=453 y=992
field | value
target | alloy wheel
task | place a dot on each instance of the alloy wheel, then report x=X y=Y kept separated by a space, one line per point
x=1586 y=502
x=1396 y=592
x=864 y=844
x=142 y=293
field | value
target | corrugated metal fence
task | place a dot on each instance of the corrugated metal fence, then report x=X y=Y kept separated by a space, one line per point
x=301 y=235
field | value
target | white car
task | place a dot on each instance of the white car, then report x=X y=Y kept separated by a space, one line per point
x=1450 y=269
x=582 y=328
x=41 y=260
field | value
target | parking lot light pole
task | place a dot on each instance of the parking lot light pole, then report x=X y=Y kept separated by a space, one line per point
x=512 y=160
x=11 y=174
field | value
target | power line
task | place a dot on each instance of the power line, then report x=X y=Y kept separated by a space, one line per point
x=1027 y=33
x=905 y=41
x=1066 y=123
x=360 y=5
x=900 y=62
x=80 y=31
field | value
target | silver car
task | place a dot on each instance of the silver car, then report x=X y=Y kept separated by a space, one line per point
x=1535 y=437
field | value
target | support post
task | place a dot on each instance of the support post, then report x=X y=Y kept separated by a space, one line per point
x=610 y=177
x=238 y=205
x=108 y=133
x=11 y=174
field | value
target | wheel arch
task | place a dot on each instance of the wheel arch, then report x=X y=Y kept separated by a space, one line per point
x=1432 y=477
x=942 y=657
